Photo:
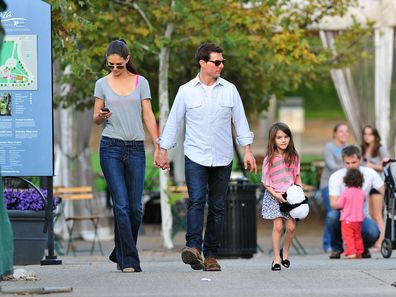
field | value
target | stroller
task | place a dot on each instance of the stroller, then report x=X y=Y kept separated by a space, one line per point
x=389 y=242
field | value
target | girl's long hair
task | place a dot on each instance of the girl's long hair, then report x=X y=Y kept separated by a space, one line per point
x=120 y=47
x=377 y=141
x=290 y=152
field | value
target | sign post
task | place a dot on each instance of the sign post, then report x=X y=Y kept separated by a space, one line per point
x=26 y=107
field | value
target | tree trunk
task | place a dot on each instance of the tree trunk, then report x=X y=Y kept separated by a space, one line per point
x=166 y=212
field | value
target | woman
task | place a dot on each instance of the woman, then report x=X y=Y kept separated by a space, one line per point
x=332 y=154
x=373 y=154
x=122 y=99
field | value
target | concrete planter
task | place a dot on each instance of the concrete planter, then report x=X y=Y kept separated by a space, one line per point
x=29 y=239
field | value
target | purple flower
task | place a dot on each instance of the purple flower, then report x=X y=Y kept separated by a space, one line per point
x=26 y=199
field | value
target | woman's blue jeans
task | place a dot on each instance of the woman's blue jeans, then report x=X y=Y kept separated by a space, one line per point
x=370 y=232
x=123 y=164
x=205 y=181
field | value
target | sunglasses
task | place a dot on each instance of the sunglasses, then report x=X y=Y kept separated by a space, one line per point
x=217 y=62
x=110 y=66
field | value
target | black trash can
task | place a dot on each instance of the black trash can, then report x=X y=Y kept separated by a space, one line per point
x=239 y=239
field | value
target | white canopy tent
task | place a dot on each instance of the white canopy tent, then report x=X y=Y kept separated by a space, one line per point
x=371 y=102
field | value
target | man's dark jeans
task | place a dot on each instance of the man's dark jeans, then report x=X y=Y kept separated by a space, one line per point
x=205 y=181
x=123 y=164
x=370 y=231
x=326 y=228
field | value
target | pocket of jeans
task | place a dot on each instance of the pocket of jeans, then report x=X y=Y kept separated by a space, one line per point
x=106 y=143
x=139 y=146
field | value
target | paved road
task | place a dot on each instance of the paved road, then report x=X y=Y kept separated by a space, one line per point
x=165 y=275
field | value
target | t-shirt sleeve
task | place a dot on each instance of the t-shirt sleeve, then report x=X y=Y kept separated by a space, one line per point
x=334 y=184
x=383 y=153
x=298 y=167
x=377 y=180
x=330 y=157
x=98 y=92
x=144 y=88
x=266 y=177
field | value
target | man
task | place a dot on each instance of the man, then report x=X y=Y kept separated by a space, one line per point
x=209 y=105
x=370 y=232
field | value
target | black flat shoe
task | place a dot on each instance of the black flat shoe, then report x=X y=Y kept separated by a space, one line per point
x=275 y=266
x=284 y=262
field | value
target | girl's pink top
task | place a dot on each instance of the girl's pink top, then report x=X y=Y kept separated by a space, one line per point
x=351 y=202
x=279 y=176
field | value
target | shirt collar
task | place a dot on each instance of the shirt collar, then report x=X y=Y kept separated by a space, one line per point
x=196 y=81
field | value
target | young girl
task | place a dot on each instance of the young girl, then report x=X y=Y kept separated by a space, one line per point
x=281 y=169
x=351 y=202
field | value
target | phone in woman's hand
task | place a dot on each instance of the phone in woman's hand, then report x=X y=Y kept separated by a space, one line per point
x=105 y=109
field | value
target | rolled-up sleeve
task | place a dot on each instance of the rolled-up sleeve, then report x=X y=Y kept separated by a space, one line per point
x=244 y=135
x=175 y=119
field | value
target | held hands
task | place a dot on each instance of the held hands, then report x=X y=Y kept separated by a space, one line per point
x=161 y=159
x=156 y=156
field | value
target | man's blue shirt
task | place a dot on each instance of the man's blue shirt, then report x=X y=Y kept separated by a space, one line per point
x=208 y=138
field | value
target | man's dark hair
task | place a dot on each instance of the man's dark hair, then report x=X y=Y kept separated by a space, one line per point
x=351 y=150
x=204 y=50
x=353 y=178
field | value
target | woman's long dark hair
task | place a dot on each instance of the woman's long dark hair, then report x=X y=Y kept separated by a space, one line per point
x=377 y=141
x=119 y=47
x=291 y=154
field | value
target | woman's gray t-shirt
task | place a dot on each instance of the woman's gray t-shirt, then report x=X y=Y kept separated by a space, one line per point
x=333 y=161
x=126 y=120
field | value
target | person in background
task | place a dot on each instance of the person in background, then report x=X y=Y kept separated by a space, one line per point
x=351 y=157
x=351 y=204
x=332 y=162
x=122 y=104
x=281 y=169
x=373 y=154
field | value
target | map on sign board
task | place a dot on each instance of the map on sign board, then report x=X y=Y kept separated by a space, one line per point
x=18 y=63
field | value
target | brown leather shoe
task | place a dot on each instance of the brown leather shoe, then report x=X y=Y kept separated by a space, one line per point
x=192 y=256
x=211 y=264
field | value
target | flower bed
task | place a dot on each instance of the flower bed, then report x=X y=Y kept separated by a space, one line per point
x=26 y=199
x=26 y=210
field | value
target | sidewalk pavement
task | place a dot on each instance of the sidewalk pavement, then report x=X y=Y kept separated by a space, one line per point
x=164 y=274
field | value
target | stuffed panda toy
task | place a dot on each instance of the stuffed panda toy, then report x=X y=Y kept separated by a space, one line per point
x=297 y=203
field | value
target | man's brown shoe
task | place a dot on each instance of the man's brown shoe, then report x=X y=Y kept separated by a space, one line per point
x=211 y=264
x=192 y=256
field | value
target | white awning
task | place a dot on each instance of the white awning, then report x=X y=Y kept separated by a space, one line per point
x=382 y=12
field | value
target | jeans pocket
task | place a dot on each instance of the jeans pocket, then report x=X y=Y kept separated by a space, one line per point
x=106 y=142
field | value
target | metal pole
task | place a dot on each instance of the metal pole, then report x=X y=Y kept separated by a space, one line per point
x=47 y=183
